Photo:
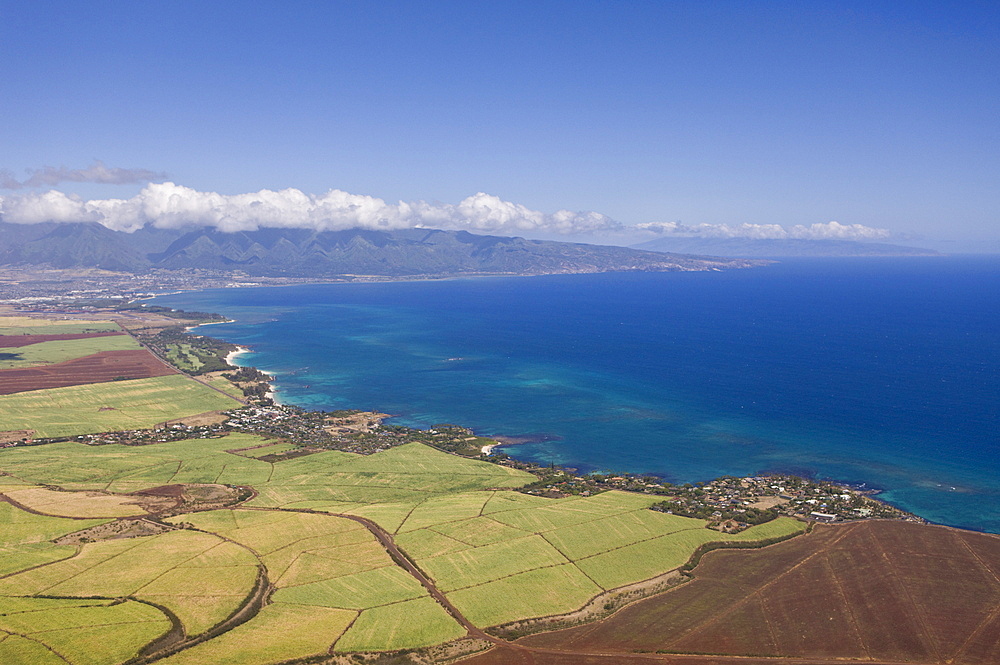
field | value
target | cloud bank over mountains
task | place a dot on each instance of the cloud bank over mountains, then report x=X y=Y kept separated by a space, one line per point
x=168 y=205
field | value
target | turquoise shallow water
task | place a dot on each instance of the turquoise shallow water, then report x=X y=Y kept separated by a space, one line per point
x=877 y=371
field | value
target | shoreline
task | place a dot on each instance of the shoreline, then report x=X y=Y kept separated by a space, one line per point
x=210 y=323
x=236 y=353
x=493 y=449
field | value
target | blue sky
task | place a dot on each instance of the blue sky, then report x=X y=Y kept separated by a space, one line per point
x=881 y=114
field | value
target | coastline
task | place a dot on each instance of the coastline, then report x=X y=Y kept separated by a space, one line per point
x=239 y=351
x=496 y=425
x=210 y=323
x=236 y=353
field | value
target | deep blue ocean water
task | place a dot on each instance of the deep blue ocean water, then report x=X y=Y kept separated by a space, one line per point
x=877 y=371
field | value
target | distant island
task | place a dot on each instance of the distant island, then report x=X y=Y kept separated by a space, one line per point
x=779 y=248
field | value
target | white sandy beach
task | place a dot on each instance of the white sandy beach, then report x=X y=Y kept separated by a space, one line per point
x=238 y=351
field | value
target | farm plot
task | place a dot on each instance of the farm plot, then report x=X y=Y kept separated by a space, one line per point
x=499 y=555
x=15 y=341
x=332 y=563
x=48 y=353
x=178 y=570
x=414 y=623
x=75 y=504
x=82 y=632
x=537 y=592
x=876 y=592
x=600 y=543
x=26 y=325
x=98 y=368
x=280 y=632
x=118 y=468
x=25 y=539
x=108 y=406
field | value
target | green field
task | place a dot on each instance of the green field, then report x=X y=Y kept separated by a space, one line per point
x=24 y=325
x=47 y=353
x=498 y=554
x=139 y=403
x=26 y=539
x=81 y=632
x=412 y=623
x=279 y=632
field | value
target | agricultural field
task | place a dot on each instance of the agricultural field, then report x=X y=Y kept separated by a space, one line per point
x=40 y=631
x=48 y=353
x=28 y=325
x=114 y=405
x=97 y=368
x=498 y=555
x=75 y=504
x=877 y=591
x=16 y=341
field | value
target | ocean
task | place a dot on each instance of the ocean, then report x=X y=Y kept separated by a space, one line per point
x=881 y=372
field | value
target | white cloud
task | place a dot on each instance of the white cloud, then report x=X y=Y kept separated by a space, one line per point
x=817 y=231
x=167 y=205
x=50 y=176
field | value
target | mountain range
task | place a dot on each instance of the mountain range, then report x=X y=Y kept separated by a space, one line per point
x=305 y=253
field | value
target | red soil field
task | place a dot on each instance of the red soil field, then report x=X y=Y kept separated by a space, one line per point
x=14 y=341
x=879 y=592
x=98 y=368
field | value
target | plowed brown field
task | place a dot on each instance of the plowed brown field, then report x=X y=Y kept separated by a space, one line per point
x=98 y=368
x=14 y=341
x=879 y=592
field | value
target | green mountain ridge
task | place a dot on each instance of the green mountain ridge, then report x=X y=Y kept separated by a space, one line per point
x=309 y=253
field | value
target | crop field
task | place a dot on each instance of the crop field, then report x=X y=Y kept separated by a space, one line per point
x=26 y=539
x=48 y=353
x=26 y=325
x=412 y=623
x=324 y=561
x=178 y=570
x=280 y=632
x=538 y=592
x=15 y=341
x=97 y=368
x=883 y=591
x=82 y=632
x=75 y=504
x=465 y=540
x=107 y=406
